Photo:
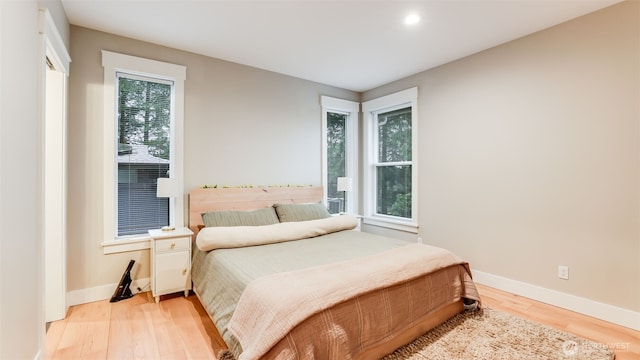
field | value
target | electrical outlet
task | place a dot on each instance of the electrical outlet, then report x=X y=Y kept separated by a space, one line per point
x=420 y=240
x=563 y=272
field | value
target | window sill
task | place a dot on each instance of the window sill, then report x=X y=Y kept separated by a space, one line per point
x=392 y=224
x=134 y=243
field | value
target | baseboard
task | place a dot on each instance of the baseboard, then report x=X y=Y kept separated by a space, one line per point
x=103 y=292
x=606 y=312
x=598 y=310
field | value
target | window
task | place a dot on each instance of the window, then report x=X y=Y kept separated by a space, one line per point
x=143 y=126
x=390 y=173
x=143 y=152
x=340 y=153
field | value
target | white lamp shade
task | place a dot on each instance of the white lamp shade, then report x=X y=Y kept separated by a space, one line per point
x=345 y=184
x=167 y=187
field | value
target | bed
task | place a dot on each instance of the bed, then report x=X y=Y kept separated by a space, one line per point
x=317 y=289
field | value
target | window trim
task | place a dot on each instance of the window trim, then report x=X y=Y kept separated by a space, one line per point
x=352 y=110
x=113 y=63
x=370 y=109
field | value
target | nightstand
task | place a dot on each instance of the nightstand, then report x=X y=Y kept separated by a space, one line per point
x=170 y=261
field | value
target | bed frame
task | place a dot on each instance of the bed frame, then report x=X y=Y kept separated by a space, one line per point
x=213 y=199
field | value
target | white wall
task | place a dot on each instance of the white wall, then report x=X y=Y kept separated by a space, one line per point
x=530 y=157
x=21 y=304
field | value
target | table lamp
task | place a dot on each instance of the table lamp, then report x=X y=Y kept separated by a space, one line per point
x=167 y=188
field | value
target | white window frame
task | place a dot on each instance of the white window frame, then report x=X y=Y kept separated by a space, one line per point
x=352 y=110
x=113 y=63
x=370 y=109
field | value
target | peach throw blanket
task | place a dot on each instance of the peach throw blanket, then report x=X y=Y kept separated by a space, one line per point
x=273 y=305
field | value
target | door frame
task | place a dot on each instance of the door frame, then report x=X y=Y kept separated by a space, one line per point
x=53 y=257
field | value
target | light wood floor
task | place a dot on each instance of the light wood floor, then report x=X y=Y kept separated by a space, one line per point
x=179 y=328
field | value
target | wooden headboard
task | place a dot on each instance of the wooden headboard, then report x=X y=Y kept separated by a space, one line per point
x=212 y=199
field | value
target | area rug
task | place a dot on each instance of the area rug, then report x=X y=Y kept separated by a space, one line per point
x=495 y=335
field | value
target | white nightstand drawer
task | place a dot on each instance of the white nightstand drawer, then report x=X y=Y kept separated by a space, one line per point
x=173 y=244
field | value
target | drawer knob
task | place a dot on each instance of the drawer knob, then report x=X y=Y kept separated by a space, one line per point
x=173 y=245
x=184 y=271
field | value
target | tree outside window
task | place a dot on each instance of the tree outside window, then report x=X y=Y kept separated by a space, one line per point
x=143 y=154
x=393 y=170
x=336 y=156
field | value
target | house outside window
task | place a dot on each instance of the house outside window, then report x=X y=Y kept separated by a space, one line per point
x=143 y=129
x=390 y=172
x=340 y=153
x=138 y=207
x=143 y=152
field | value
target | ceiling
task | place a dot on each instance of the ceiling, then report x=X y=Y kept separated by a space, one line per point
x=356 y=44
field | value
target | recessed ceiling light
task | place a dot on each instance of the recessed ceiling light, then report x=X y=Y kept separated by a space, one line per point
x=412 y=19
